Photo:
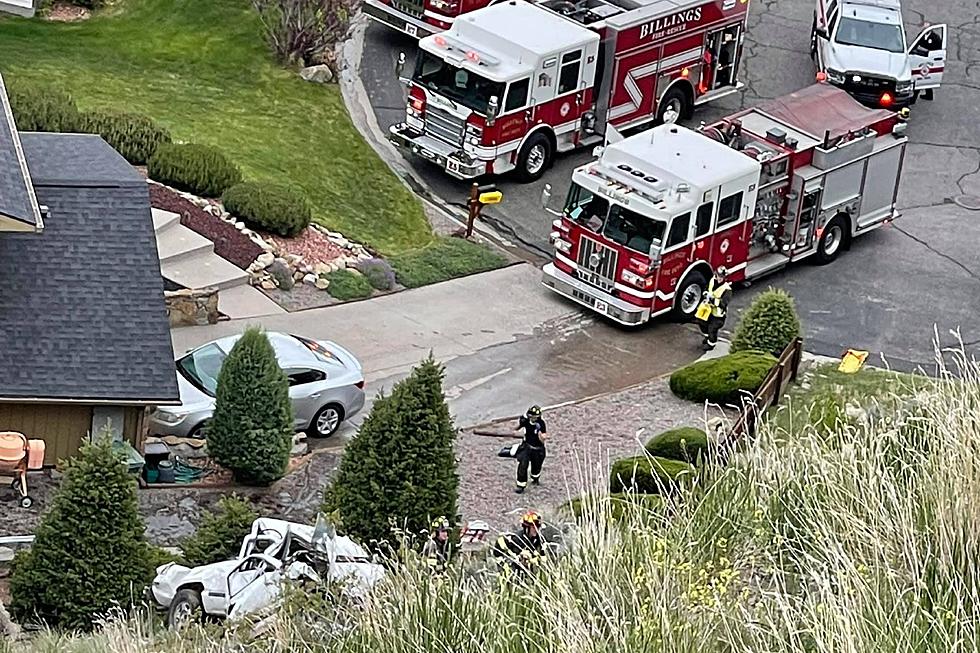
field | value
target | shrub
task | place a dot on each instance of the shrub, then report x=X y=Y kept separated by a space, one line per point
x=220 y=534
x=400 y=469
x=346 y=285
x=89 y=553
x=769 y=324
x=446 y=258
x=378 y=273
x=686 y=444
x=301 y=30
x=134 y=136
x=723 y=380
x=251 y=432
x=619 y=504
x=199 y=169
x=648 y=475
x=271 y=207
x=42 y=108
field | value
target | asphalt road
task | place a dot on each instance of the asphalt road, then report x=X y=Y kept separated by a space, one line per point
x=896 y=287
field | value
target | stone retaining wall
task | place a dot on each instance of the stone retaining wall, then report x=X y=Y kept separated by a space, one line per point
x=192 y=307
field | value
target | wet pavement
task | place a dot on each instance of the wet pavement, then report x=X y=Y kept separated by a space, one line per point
x=893 y=287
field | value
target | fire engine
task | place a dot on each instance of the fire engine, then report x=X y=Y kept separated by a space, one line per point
x=510 y=85
x=796 y=178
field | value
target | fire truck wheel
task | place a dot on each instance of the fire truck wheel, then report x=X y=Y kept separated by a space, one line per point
x=674 y=106
x=534 y=158
x=832 y=240
x=688 y=296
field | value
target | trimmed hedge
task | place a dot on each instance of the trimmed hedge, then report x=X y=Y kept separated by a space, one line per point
x=43 y=108
x=618 y=504
x=769 y=324
x=722 y=380
x=134 y=136
x=346 y=285
x=648 y=475
x=199 y=169
x=686 y=444
x=272 y=207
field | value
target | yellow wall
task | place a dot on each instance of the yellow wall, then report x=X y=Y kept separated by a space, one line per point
x=62 y=426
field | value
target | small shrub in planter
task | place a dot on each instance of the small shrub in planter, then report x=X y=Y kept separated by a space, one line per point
x=199 y=169
x=648 y=475
x=769 y=324
x=346 y=285
x=378 y=273
x=723 y=380
x=42 y=108
x=220 y=535
x=134 y=136
x=686 y=444
x=271 y=207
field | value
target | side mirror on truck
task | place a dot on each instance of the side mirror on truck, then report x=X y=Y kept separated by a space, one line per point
x=400 y=68
x=493 y=106
x=546 y=201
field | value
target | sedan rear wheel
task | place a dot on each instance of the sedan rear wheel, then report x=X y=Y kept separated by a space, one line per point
x=326 y=422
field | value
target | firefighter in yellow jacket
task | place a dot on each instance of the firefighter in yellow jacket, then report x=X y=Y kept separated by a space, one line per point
x=713 y=310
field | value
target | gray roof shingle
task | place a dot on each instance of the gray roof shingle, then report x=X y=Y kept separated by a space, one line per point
x=81 y=303
x=17 y=202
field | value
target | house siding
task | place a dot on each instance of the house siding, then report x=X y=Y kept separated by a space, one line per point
x=64 y=427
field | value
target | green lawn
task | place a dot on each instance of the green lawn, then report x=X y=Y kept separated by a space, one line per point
x=202 y=69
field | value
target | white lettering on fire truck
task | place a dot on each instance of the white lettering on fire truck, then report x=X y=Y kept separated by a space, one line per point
x=680 y=18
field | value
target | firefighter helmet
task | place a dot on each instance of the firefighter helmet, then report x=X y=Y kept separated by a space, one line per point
x=530 y=518
x=721 y=272
x=534 y=411
x=440 y=524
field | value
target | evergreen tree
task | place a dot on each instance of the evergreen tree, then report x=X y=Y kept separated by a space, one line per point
x=400 y=469
x=89 y=553
x=220 y=534
x=769 y=324
x=251 y=432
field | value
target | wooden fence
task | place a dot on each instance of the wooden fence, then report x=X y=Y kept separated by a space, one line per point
x=773 y=387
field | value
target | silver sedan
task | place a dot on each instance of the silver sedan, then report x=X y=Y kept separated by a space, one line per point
x=326 y=386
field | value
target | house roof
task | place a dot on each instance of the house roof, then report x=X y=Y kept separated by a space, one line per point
x=19 y=210
x=82 y=315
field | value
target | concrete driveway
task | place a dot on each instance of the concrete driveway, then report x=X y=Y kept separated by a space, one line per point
x=888 y=293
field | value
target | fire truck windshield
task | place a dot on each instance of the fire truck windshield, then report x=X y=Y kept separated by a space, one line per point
x=617 y=223
x=467 y=88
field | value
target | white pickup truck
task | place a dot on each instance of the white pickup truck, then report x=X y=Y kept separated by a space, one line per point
x=860 y=46
x=272 y=553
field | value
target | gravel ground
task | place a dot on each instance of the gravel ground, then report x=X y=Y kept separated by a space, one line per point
x=583 y=439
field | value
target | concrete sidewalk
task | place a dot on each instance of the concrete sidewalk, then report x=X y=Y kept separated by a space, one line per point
x=390 y=334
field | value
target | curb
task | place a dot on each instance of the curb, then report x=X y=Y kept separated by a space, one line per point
x=362 y=116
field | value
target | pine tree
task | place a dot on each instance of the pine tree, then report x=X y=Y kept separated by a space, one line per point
x=251 y=432
x=769 y=324
x=89 y=553
x=400 y=469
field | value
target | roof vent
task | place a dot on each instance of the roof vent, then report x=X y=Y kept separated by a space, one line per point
x=638 y=173
x=650 y=179
x=776 y=135
x=624 y=167
x=791 y=143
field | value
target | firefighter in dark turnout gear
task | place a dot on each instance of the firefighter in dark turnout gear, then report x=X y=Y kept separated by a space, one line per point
x=531 y=451
x=713 y=309
x=436 y=549
x=524 y=551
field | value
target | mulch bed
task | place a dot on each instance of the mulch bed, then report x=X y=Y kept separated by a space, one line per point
x=312 y=245
x=65 y=12
x=229 y=243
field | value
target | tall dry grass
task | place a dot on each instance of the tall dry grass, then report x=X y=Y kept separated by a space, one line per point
x=865 y=539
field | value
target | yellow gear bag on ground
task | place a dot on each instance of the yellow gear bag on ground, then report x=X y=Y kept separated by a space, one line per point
x=852 y=361
x=704 y=311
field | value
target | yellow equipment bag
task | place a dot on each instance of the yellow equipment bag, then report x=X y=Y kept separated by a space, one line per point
x=704 y=311
x=852 y=361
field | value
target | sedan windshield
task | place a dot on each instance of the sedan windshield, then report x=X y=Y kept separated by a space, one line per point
x=637 y=232
x=202 y=366
x=863 y=33
x=467 y=88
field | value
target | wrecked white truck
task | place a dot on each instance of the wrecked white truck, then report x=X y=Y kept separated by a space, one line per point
x=274 y=552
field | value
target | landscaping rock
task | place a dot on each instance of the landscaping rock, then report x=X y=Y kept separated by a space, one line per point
x=310 y=279
x=279 y=271
x=300 y=446
x=192 y=307
x=265 y=259
x=321 y=268
x=320 y=74
x=268 y=285
x=322 y=283
x=6 y=554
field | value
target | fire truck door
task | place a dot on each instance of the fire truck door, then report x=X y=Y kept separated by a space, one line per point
x=729 y=246
x=721 y=58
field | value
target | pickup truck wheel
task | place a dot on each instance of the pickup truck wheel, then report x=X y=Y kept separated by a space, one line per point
x=185 y=609
x=534 y=158
x=688 y=296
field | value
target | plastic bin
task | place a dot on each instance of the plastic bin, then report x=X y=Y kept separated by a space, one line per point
x=35 y=458
x=165 y=472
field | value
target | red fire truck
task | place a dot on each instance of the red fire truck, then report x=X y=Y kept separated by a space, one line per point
x=510 y=85
x=798 y=177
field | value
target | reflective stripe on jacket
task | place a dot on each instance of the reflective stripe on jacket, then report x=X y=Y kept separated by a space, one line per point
x=715 y=296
